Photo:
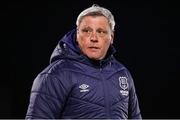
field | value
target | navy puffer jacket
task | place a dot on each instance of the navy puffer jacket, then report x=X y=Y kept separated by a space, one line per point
x=73 y=87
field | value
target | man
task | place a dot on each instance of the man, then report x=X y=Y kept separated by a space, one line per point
x=84 y=81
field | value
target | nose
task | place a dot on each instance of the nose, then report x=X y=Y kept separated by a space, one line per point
x=94 y=37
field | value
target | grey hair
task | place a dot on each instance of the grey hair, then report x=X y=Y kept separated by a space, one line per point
x=96 y=10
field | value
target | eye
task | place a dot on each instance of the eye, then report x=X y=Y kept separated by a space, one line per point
x=86 y=30
x=101 y=33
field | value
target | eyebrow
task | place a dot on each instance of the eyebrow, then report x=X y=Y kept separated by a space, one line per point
x=86 y=27
x=99 y=29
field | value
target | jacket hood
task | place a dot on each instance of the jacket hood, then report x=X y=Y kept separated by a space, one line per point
x=67 y=48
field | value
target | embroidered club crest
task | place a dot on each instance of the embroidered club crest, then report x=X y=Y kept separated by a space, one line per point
x=123 y=83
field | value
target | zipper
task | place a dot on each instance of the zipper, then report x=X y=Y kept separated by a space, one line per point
x=105 y=90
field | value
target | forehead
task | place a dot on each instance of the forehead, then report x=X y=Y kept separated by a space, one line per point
x=94 y=21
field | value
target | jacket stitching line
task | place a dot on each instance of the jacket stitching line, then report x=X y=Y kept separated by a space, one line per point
x=86 y=101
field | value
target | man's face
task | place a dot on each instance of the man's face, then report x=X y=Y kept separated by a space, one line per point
x=94 y=36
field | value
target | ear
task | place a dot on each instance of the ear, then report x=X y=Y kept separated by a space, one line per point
x=77 y=30
x=77 y=34
x=112 y=37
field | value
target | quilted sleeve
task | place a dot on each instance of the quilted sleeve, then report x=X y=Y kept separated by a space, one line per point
x=133 y=109
x=48 y=96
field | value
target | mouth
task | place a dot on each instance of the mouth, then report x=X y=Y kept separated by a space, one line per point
x=94 y=47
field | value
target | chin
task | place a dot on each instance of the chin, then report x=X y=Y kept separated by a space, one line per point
x=96 y=58
x=93 y=58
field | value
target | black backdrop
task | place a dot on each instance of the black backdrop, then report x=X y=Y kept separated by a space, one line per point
x=142 y=38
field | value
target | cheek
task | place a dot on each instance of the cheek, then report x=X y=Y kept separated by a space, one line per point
x=81 y=41
x=106 y=43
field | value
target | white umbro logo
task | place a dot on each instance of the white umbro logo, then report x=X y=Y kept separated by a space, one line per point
x=84 y=88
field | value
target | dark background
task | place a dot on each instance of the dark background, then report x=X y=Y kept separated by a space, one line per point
x=145 y=38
